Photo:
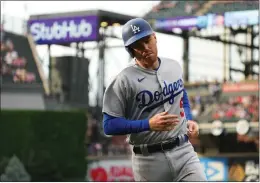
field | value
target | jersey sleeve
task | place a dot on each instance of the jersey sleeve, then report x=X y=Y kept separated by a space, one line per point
x=114 y=101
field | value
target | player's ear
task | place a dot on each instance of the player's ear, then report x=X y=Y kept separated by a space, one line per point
x=130 y=51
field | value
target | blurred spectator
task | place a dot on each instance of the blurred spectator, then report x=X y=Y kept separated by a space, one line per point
x=191 y=7
x=188 y=8
x=19 y=62
x=99 y=145
x=2 y=33
x=198 y=99
x=13 y=67
x=11 y=54
x=245 y=107
x=215 y=90
x=226 y=109
x=21 y=75
x=94 y=147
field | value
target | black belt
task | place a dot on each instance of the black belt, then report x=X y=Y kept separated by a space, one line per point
x=161 y=146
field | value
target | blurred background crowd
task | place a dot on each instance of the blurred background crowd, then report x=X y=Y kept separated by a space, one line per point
x=13 y=64
x=218 y=53
x=18 y=65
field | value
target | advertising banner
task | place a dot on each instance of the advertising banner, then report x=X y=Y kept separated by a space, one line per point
x=110 y=171
x=189 y=22
x=249 y=17
x=240 y=87
x=179 y=22
x=244 y=169
x=64 y=30
x=216 y=169
x=215 y=20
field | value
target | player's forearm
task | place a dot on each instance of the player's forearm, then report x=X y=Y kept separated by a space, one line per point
x=122 y=126
x=186 y=105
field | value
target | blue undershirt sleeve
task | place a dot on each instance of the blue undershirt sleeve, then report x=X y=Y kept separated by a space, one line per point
x=121 y=126
x=186 y=106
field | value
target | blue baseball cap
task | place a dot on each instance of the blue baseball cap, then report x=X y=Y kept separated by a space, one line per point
x=134 y=30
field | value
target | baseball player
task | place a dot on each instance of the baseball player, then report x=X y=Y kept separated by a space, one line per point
x=147 y=101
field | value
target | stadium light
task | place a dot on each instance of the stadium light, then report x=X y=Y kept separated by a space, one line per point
x=235 y=27
x=177 y=30
x=104 y=24
x=242 y=127
x=116 y=24
x=217 y=128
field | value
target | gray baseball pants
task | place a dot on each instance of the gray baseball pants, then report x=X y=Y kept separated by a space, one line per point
x=178 y=164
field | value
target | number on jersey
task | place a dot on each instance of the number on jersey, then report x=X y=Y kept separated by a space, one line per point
x=181 y=108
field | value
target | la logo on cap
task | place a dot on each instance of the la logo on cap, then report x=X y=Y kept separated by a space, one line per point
x=135 y=29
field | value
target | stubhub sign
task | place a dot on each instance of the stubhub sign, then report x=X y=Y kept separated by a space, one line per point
x=64 y=30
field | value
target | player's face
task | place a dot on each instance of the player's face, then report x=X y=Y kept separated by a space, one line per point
x=145 y=49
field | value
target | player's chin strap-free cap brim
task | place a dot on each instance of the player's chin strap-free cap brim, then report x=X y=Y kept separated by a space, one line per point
x=138 y=36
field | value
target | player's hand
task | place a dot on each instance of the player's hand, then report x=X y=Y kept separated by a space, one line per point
x=193 y=128
x=163 y=122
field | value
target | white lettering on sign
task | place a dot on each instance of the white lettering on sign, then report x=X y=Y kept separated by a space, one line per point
x=251 y=171
x=65 y=29
x=110 y=171
x=251 y=168
x=187 y=22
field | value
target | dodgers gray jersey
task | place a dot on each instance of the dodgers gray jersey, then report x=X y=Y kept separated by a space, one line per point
x=137 y=93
